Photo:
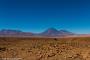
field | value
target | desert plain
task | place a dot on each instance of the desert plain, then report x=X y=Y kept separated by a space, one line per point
x=38 y=48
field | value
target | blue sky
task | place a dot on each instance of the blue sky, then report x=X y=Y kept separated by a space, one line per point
x=38 y=15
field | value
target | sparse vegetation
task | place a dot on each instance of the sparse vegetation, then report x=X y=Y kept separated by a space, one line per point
x=45 y=48
x=2 y=49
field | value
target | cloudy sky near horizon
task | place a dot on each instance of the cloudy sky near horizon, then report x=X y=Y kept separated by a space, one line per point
x=38 y=15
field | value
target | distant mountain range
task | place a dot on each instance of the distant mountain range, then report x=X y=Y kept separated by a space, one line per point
x=7 y=32
x=51 y=32
x=55 y=32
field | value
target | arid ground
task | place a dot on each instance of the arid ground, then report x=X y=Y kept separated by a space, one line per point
x=77 y=48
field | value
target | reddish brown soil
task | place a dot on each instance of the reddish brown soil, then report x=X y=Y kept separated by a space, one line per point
x=45 y=48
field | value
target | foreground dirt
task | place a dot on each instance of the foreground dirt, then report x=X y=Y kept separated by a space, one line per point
x=45 y=48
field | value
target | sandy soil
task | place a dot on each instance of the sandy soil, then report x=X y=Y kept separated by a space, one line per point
x=45 y=48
